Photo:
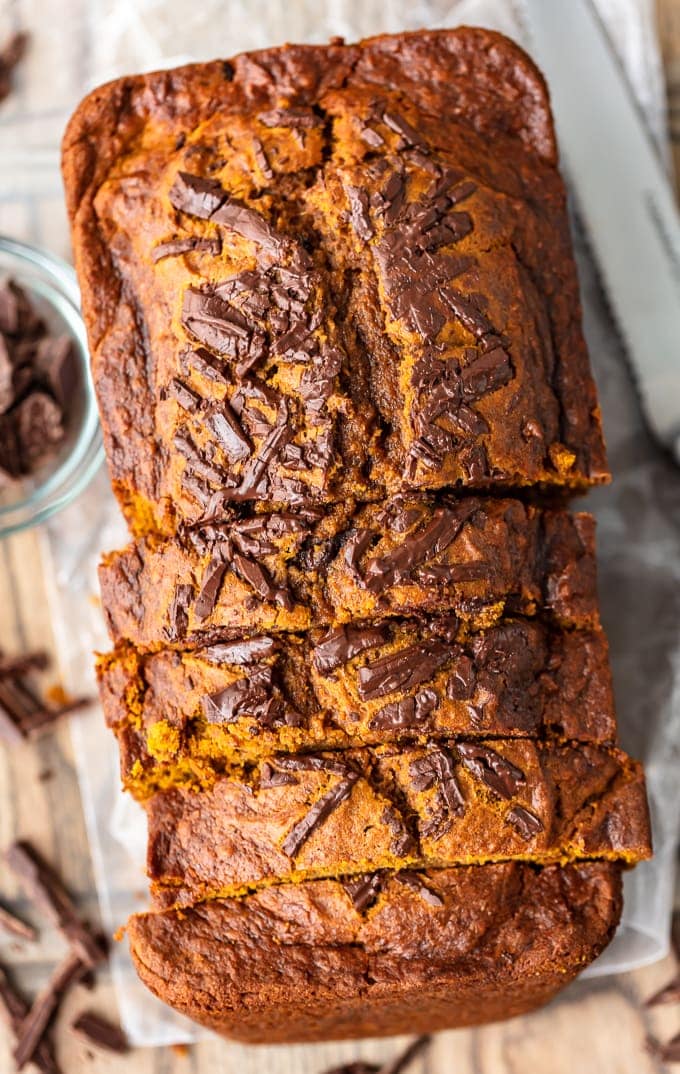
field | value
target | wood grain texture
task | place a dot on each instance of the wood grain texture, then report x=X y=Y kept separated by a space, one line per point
x=594 y=1028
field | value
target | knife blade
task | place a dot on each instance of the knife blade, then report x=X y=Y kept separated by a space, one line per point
x=623 y=195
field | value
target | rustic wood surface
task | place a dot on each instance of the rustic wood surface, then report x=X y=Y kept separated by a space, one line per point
x=595 y=1027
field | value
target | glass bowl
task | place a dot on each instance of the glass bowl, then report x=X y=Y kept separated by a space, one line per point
x=51 y=285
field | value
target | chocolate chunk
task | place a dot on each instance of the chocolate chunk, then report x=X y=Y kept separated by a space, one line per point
x=239 y=652
x=100 y=1032
x=192 y=243
x=40 y=428
x=15 y=1010
x=469 y=315
x=486 y=373
x=197 y=463
x=273 y=777
x=401 y=670
x=319 y=812
x=257 y=467
x=359 y=215
x=461 y=682
x=355 y=546
x=403 y=843
x=338 y=646
x=228 y=431
x=290 y=117
x=212 y=581
x=55 y=364
x=407 y=714
x=11 y=53
x=46 y=891
x=435 y=768
x=494 y=771
x=363 y=890
x=14 y=925
x=396 y=566
x=313 y=762
x=415 y=882
x=215 y=322
x=261 y=158
x=204 y=364
x=402 y=127
x=250 y=696
x=526 y=824
x=187 y=399
x=31 y=1031
x=371 y=137
x=196 y=196
x=255 y=575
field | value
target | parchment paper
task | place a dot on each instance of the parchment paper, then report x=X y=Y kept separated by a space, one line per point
x=638 y=516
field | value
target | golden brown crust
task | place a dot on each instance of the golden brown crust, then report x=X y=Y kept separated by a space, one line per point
x=301 y=816
x=449 y=948
x=375 y=394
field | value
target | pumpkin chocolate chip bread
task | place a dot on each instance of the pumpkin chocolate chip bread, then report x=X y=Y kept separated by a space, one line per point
x=480 y=558
x=358 y=675
x=326 y=272
x=302 y=816
x=179 y=715
x=382 y=954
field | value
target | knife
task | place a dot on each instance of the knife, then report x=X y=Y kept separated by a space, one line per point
x=623 y=195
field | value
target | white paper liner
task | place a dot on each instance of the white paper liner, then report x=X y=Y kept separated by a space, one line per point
x=638 y=517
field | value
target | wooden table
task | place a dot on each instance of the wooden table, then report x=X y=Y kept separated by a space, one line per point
x=594 y=1027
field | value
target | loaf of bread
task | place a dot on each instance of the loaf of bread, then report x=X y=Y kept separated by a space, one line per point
x=358 y=679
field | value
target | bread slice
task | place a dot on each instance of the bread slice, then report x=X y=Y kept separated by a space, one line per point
x=410 y=952
x=309 y=815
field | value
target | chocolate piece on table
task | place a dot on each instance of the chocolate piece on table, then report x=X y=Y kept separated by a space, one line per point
x=100 y=1032
x=47 y=892
x=31 y=1030
x=10 y=923
x=10 y=54
x=15 y=1009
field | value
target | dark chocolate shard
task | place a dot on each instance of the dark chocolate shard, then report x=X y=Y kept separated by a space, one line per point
x=401 y=670
x=99 y=1032
x=15 y=1010
x=188 y=399
x=407 y=714
x=313 y=762
x=436 y=769
x=397 y=565
x=212 y=581
x=251 y=696
x=319 y=812
x=525 y=823
x=290 y=117
x=179 y=609
x=493 y=770
x=359 y=212
x=415 y=882
x=262 y=159
x=189 y=244
x=40 y=428
x=338 y=646
x=228 y=431
x=257 y=576
x=47 y=892
x=32 y=1029
x=248 y=651
x=9 y=922
x=196 y=196
x=363 y=890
